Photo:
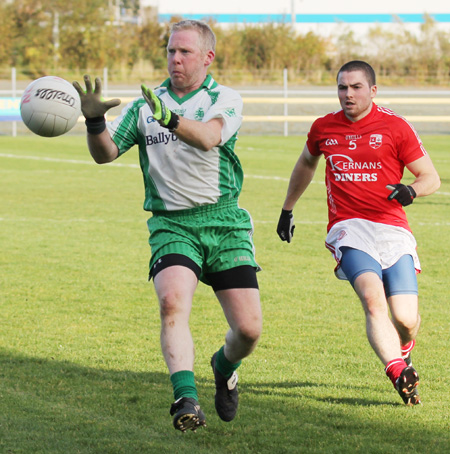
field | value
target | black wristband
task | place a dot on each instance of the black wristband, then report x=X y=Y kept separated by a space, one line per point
x=286 y=212
x=173 y=122
x=95 y=125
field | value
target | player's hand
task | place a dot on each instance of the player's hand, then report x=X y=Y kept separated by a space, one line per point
x=92 y=103
x=160 y=113
x=286 y=226
x=402 y=193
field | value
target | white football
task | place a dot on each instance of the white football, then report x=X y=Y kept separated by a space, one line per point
x=50 y=106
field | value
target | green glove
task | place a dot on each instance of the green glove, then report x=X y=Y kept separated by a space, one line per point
x=164 y=116
x=92 y=103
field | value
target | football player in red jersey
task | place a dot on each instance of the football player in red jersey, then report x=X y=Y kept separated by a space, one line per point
x=366 y=148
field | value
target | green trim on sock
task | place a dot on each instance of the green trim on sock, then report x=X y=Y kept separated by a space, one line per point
x=183 y=383
x=223 y=365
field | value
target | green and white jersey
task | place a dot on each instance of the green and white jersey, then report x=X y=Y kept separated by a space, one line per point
x=178 y=176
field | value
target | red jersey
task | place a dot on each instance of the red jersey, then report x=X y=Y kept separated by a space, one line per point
x=361 y=159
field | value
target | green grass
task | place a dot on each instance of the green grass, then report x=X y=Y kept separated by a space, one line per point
x=80 y=363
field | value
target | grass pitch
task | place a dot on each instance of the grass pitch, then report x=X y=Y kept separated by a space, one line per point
x=80 y=363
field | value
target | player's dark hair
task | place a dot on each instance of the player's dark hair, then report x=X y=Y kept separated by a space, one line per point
x=359 y=65
x=207 y=36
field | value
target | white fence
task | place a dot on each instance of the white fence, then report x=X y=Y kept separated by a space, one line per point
x=284 y=110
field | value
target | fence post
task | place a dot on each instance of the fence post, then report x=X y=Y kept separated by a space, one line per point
x=105 y=83
x=13 y=94
x=105 y=86
x=285 y=91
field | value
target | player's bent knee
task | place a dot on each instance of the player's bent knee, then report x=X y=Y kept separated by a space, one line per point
x=170 y=304
x=249 y=335
x=408 y=323
x=248 y=332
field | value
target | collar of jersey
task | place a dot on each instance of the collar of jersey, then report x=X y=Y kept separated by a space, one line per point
x=208 y=84
x=367 y=119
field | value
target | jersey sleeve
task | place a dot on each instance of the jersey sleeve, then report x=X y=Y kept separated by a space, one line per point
x=228 y=107
x=409 y=145
x=314 y=135
x=124 y=128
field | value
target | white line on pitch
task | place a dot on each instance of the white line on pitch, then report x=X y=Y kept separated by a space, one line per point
x=115 y=164
x=134 y=166
x=69 y=161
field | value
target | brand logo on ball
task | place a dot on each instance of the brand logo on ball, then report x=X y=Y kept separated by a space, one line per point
x=27 y=95
x=56 y=95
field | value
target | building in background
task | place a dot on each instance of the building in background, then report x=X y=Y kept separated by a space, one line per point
x=324 y=17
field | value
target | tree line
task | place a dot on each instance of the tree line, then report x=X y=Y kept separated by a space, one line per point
x=40 y=37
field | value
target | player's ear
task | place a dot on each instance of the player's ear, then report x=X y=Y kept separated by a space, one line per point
x=209 y=57
x=373 y=91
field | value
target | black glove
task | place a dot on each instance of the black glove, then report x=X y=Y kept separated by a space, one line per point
x=92 y=103
x=285 y=228
x=402 y=193
x=93 y=106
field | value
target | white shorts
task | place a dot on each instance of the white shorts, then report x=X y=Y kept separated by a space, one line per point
x=384 y=243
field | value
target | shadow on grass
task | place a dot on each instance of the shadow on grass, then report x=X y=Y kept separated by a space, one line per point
x=49 y=406
x=55 y=406
x=277 y=388
x=358 y=402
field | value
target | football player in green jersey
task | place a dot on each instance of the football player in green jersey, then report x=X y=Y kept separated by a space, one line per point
x=186 y=131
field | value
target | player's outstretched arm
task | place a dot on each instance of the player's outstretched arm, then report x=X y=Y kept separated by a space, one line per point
x=94 y=108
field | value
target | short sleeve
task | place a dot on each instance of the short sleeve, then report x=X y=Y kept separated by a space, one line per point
x=124 y=128
x=227 y=104
x=409 y=145
x=313 y=138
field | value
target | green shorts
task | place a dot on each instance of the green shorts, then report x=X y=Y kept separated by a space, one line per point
x=216 y=237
